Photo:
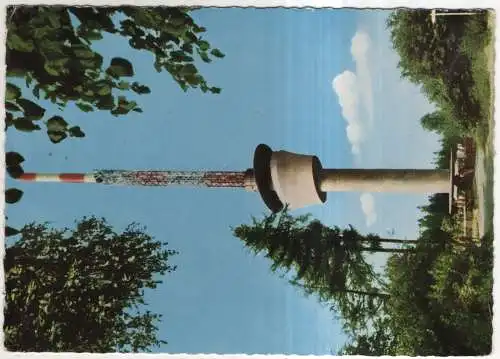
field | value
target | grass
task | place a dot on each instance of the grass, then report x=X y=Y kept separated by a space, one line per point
x=488 y=141
x=478 y=44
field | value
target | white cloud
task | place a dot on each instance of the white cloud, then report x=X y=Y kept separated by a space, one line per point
x=360 y=45
x=368 y=208
x=355 y=93
x=345 y=85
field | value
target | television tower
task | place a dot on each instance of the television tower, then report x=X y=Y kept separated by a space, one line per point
x=281 y=177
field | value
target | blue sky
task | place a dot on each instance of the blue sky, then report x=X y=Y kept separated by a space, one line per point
x=279 y=89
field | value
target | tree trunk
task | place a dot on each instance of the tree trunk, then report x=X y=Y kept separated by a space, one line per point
x=360 y=292
x=386 y=250
x=397 y=241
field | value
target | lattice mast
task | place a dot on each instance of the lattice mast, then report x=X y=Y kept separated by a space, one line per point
x=231 y=179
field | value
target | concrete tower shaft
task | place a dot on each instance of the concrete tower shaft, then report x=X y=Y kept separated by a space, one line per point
x=297 y=180
x=385 y=180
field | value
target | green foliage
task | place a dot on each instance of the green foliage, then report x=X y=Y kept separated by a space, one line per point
x=15 y=171
x=13 y=162
x=51 y=48
x=9 y=231
x=438 y=57
x=441 y=302
x=120 y=68
x=440 y=293
x=25 y=125
x=327 y=262
x=13 y=195
x=76 y=131
x=13 y=159
x=31 y=109
x=478 y=39
x=379 y=341
x=441 y=123
x=82 y=290
x=12 y=92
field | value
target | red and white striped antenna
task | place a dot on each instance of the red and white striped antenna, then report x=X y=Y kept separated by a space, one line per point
x=146 y=178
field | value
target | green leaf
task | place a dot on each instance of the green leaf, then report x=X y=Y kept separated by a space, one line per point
x=84 y=53
x=125 y=104
x=25 y=125
x=93 y=35
x=140 y=89
x=56 y=136
x=41 y=32
x=193 y=79
x=10 y=106
x=15 y=171
x=54 y=71
x=9 y=120
x=175 y=31
x=177 y=20
x=31 y=109
x=123 y=85
x=137 y=109
x=120 y=67
x=56 y=124
x=28 y=79
x=119 y=111
x=106 y=103
x=13 y=72
x=190 y=37
x=9 y=231
x=13 y=195
x=203 y=45
x=54 y=19
x=104 y=90
x=13 y=159
x=158 y=66
x=183 y=85
x=15 y=42
x=215 y=90
x=12 y=92
x=204 y=57
x=188 y=69
x=76 y=132
x=217 y=53
x=188 y=48
x=84 y=107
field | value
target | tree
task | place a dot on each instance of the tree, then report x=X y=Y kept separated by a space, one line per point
x=440 y=123
x=440 y=298
x=82 y=290
x=327 y=262
x=379 y=341
x=433 y=56
x=51 y=48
